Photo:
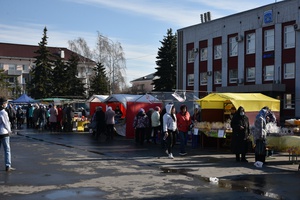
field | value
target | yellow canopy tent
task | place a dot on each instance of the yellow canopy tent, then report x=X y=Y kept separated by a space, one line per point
x=250 y=101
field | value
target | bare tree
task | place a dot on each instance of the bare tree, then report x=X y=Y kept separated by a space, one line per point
x=112 y=56
x=80 y=46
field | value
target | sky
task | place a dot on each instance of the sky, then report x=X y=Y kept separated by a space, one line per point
x=139 y=25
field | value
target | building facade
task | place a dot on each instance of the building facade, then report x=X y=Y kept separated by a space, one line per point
x=16 y=61
x=143 y=84
x=253 y=51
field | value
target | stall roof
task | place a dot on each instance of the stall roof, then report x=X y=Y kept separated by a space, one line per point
x=250 y=101
x=124 y=98
x=97 y=98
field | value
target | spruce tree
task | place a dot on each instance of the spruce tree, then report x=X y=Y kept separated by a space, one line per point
x=59 y=75
x=99 y=83
x=166 y=64
x=75 y=87
x=41 y=83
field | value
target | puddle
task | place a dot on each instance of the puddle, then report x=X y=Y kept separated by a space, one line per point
x=228 y=184
x=80 y=193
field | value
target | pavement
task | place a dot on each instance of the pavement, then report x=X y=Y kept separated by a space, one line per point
x=278 y=179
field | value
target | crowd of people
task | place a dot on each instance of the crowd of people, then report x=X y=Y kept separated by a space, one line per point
x=56 y=118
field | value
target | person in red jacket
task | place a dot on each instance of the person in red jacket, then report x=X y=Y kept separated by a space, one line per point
x=183 y=124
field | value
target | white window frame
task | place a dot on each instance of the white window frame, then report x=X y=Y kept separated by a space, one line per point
x=191 y=56
x=190 y=79
x=289 y=37
x=203 y=78
x=218 y=77
x=289 y=102
x=203 y=54
x=233 y=47
x=233 y=75
x=289 y=70
x=269 y=43
x=250 y=74
x=250 y=43
x=217 y=52
x=269 y=73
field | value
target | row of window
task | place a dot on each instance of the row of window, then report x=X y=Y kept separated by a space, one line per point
x=289 y=41
x=269 y=71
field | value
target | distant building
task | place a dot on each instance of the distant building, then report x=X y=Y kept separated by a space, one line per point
x=143 y=84
x=17 y=60
x=252 y=51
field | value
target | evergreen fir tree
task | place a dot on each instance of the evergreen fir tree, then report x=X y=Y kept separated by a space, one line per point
x=99 y=83
x=74 y=85
x=59 y=75
x=166 y=64
x=40 y=83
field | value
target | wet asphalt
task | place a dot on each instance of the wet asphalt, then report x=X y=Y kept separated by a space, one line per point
x=75 y=166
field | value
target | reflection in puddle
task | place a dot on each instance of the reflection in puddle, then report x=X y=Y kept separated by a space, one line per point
x=249 y=186
x=80 y=193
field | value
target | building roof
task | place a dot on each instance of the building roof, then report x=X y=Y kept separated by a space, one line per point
x=144 y=78
x=22 y=51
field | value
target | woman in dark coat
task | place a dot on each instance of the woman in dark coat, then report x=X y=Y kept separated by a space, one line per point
x=241 y=131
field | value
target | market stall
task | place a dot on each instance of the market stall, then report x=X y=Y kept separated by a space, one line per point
x=216 y=113
x=95 y=101
x=130 y=105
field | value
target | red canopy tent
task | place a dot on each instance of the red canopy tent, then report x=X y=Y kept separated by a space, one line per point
x=130 y=105
x=95 y=101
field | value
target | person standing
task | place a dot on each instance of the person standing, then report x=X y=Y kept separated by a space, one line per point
x=20 y=117
x=110 y=123
x=11 y=115
x=183 y=124
x=53 y=117
x=259 y=135
x=140 y=124
x=170 y=128
x=118 y=115
x=5 y=130
x=240 y=133
x=100 y=121
x=156 y=125
x=149 y=127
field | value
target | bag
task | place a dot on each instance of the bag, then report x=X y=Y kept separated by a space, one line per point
x=260 y=148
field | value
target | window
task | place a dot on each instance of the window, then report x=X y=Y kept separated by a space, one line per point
x=217 y=77
x=12 y=67
x=233 y=74
x=217 y=52
x=1 y=66
x=289 y=37
x=289 y=70
x=203 y=78
x=250 y=74
x=289 y=101
x=203 y=54
x=191 y=57
x=233 y=47
x=269 y=73
x=250 y=43
x=190 y=79
x=269 y=40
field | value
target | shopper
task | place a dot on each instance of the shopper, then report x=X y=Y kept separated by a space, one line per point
x=141 y=125
x=5 y=130
x=110 y=123
x=183 y=124
x=170 y=128
x=259 y=136
x=240 y=133
x=156 y=125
